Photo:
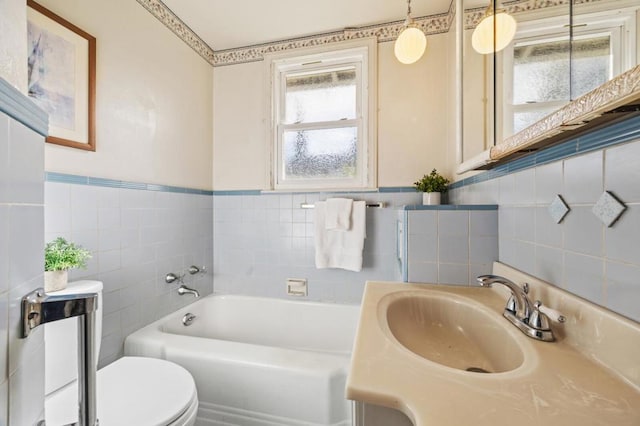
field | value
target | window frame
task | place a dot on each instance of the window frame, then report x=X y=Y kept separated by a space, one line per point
x=621 y=28
x=361 y=54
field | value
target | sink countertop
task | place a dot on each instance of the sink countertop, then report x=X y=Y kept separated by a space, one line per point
x=557 y=384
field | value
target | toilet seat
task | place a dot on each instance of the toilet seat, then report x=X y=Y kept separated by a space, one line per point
x=132 y=391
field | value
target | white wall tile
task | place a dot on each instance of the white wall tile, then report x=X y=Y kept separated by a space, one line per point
x=548 y=232
x=456 y=274
x=4 y=247
x=26 y=159
x=622 y=289
x=453 y=223
x=549 y=182
x=423 y=272
x=583 y=232
x=621 y=240
x=423 y=222
x=453 y=249
x=550 y=265
x=483 y=223
x=57 y=194
x=422 y=248
x=583 y=178
x=524 y=187
x=4 y=338
x=26 y=236
x=525 y=220
x=584 y=276
x=622 y=172
x=483 y=250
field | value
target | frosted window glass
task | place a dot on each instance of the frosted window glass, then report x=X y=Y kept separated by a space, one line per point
x=326 y=153
x=524 y=119
x=591 y=64
x=323 y=96
x=541 y=72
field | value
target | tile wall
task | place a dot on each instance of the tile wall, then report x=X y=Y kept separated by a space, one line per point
x=136 y=238
x=21 y=270
x=261 y=240
x=581 y=255
x=451 y=246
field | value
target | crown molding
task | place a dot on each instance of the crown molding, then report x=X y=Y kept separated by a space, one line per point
x=170 y=20
x=430 y=25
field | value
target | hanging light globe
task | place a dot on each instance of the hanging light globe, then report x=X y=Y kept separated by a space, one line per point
x=410 y=45
x=502 y=24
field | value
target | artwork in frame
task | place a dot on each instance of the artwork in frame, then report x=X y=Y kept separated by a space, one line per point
x=61 y=76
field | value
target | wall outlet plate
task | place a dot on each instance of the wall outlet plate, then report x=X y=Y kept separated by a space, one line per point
x=296 y=286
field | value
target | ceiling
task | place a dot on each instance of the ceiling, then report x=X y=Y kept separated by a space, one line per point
x=227 y=24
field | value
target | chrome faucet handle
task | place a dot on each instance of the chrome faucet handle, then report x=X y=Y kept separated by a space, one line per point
x=193 y=269
x=552 y=314
x=171 y=277
x=537 y=319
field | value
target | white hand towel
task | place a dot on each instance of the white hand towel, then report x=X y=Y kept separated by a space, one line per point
x=337 y=248
x=338 y=215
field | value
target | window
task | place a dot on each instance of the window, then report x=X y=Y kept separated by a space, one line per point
x=537 y=74
x=323 y=118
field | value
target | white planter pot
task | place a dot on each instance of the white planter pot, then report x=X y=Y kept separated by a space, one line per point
x=431 y=198
x=55 y=280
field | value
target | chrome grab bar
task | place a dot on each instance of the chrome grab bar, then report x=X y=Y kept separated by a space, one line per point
x=39 y=308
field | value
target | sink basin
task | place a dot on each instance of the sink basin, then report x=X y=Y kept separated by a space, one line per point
x=449 y=330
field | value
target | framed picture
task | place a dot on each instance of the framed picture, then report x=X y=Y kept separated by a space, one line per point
x=62 y=76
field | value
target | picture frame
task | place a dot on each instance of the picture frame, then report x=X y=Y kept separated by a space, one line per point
x=62 y=76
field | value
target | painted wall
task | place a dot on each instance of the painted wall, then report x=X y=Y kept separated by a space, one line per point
x=413 y=119
x=13 y=43
x=21 y=268
x=153 y=104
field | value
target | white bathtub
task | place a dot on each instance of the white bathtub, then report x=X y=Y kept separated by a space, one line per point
x=259 y=361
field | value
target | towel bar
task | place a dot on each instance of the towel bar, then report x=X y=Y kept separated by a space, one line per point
x=379 y=205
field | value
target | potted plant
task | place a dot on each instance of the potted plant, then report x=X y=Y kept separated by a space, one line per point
x=432 y=186
x=61 y=255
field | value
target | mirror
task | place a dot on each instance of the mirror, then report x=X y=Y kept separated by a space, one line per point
x=561 y=50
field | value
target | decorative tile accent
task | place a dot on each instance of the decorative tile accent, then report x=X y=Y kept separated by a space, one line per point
x=558 y=209
x=158 y=9
x=608 y=208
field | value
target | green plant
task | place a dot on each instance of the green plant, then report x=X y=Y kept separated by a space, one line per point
x=60 y=255
x=433 y=182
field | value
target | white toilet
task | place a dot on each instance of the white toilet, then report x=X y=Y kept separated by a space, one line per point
x=130 y=391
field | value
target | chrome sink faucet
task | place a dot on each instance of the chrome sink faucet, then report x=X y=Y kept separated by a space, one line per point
x=530 y=318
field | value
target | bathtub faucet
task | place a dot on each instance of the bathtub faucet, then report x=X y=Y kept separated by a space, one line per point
x=183 y=289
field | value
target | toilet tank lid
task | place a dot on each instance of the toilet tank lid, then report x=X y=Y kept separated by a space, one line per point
x=80 y=287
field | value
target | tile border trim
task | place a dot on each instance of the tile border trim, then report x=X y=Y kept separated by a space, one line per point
x=19 y=107
x=461 y=207
x=114 y=183
x=614 y=134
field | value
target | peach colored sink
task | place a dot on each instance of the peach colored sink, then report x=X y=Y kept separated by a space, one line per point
x=449 y=330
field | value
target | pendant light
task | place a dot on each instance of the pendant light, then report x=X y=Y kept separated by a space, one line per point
x=411 y=42
x=495 y=22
